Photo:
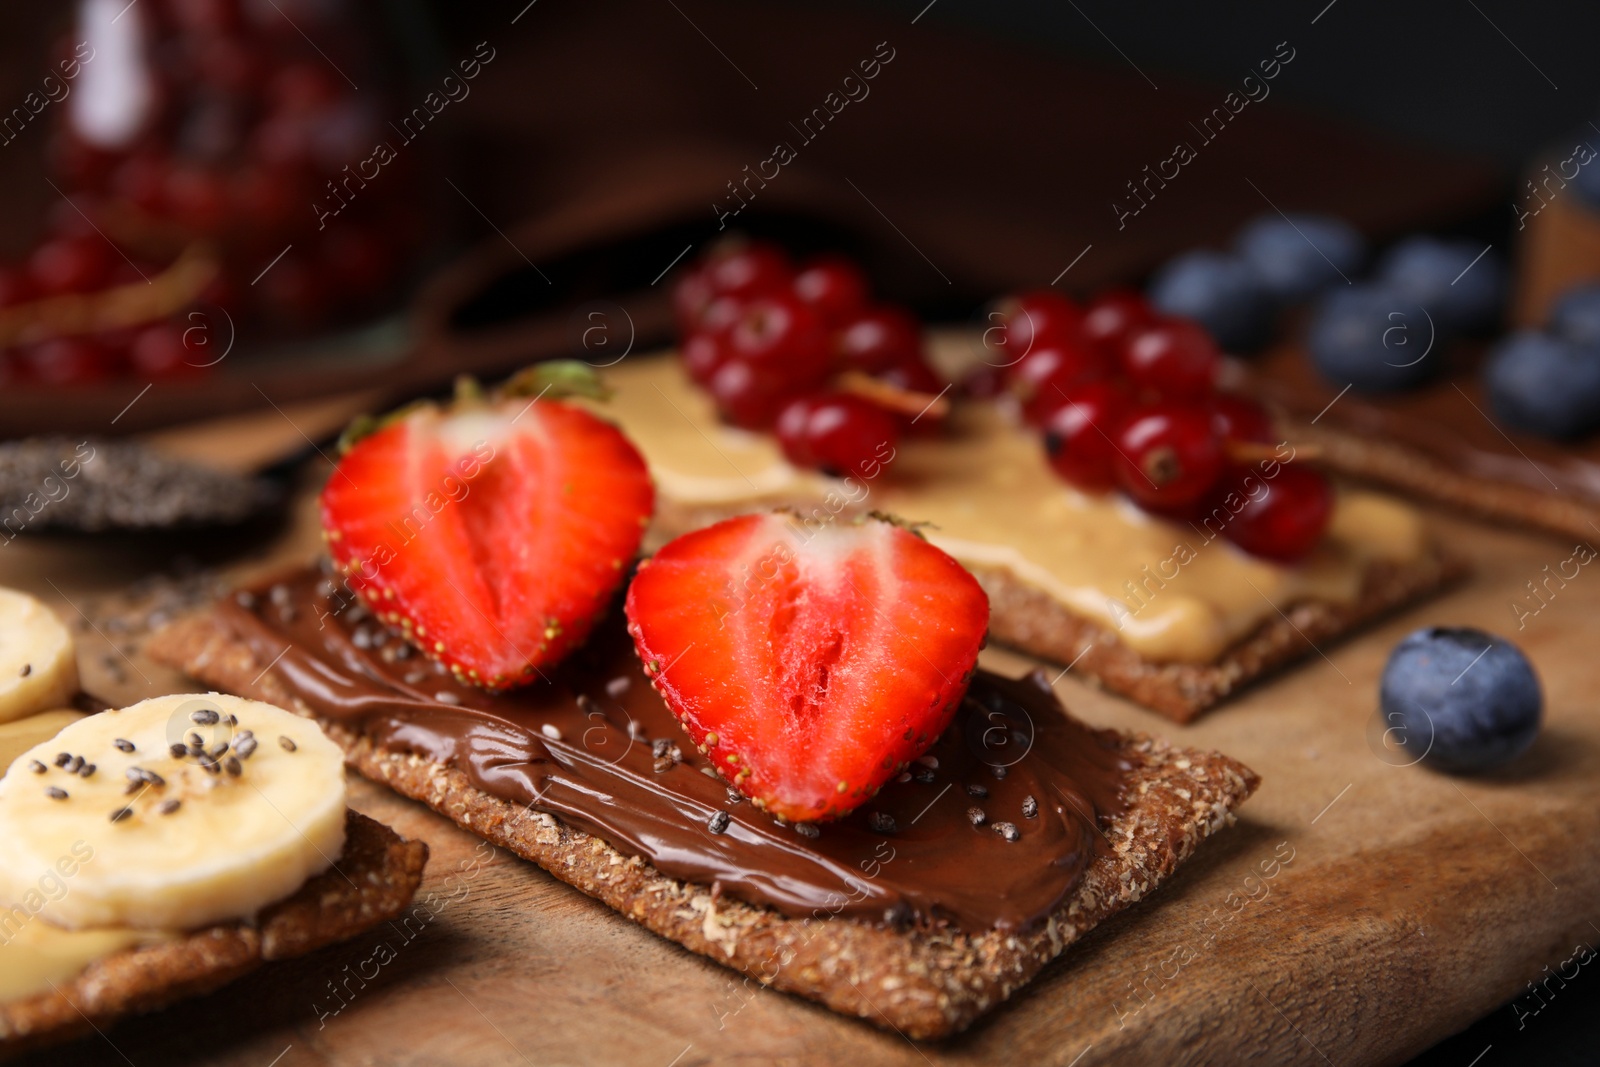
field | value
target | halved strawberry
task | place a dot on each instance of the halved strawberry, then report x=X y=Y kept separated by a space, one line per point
x=492 y=530
x=809 y=665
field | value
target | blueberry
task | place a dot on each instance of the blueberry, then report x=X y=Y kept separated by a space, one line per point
x=1545 y=385
x=1586 y=181
x=1221 y=292
x=1298 y=255
x=1374 y=339
x=1470 y=699
x=1576 y=315
x=1462 y=296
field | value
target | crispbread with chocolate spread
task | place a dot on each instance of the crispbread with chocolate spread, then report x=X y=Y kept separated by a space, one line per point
x=923 y=953
x=372 y=881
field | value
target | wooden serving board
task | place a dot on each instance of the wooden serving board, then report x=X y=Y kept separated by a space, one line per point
x=1359 y=912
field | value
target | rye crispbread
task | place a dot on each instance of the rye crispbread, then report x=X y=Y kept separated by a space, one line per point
x=372 y=881
x=925 y=983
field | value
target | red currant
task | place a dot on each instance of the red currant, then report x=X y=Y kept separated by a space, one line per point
x=913 y=375
x=691 y=295
x=703 y=353
x=748 y=396
x=1172 y=357
x=71 y=264
x=834 y=286
x=838 y=433
x=160 y=351
x=718 y=315
x=1168 y=455
x=1079 y=433
x=1051 y=370
x=1111 y=316
x=748 y=269
x=881 y=337
x=197 y=198
x=68 y=361
x=1031 y=319
x=1238 y=418
x=1284 y=520
x=783 y=336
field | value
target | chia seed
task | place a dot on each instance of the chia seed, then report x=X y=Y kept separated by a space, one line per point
x=178 y=751
x=923 y=774
x=86 y=771
x=205 y=716
x=1030 y=808
x=976 y=816
x=233 y=766
x=882 y=822
x=169 y=806
x=55 y=793
x=245 y=748
x=36 y=767
x=1008 y=831
x=976 y=790
x=124 y=485
x=807 y=829
x=287 y=744
x=719 y=822
x=63 y=758
x=120 y=814
x=122 y=745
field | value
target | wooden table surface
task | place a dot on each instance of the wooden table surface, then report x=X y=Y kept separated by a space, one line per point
x=1404 y=905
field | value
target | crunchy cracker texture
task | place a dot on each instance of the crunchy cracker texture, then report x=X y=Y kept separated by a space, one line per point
x=926 y=984
x=1391 y=464
x=375 y=879
x=1028 y=619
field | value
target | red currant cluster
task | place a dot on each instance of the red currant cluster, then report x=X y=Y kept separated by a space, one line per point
x=1127 y=399
x=770 y=341
x=247 y=130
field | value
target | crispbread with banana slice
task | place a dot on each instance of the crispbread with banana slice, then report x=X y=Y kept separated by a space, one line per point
x=155 y=852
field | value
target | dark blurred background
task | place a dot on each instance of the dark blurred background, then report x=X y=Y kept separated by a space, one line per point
x=997 y=147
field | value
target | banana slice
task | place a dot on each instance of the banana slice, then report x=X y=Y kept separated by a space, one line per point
x=38 y=665
x=176 y=841
x=17 y=737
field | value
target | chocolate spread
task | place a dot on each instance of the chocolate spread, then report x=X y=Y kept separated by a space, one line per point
x=992 y=828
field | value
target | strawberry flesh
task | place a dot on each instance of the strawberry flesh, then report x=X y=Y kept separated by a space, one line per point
x=809 y=665
x=492 y=532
